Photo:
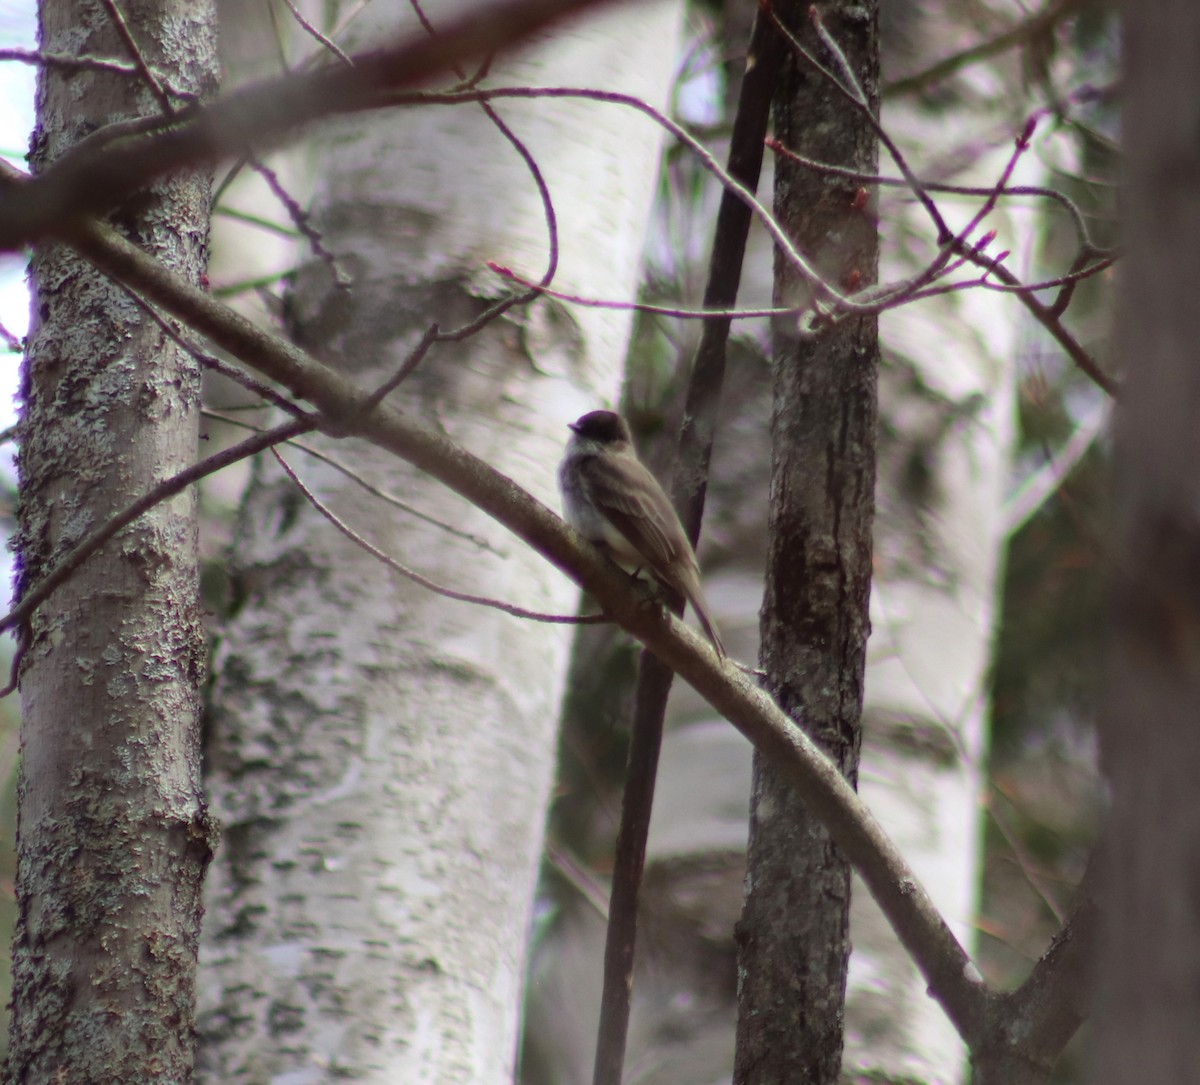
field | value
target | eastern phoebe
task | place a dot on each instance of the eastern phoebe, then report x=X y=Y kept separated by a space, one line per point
x=613 y=501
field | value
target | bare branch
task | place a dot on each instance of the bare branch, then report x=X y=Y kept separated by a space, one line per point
x=855 y=95
x=1045 y=316
x=301 y=219
x=148 y=77
x=952 y=977
x=390 y=499
x=256 y=220
x=1037 y=489
x=821 y=287
x=91 y=64
x=891 y=295
x=209 y=361
x=11 y=341
x=259 y=117
x=406 y=367
x=424 y=581
x=1062 y=199
x=81 y=551
x=326 y=43
x=644 y=307
x=1025 y=862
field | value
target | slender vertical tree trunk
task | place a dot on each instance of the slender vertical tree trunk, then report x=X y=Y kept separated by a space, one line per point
x=793 y=935
x=113 y=838
x=1149 y=998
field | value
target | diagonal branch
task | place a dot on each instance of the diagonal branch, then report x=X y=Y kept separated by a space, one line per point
x=952 y=977
x=131 y=46
x=79 y=184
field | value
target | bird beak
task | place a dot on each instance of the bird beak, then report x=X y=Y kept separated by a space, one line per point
x=573 y=427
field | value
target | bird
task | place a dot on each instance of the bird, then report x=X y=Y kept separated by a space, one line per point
x=610 y=497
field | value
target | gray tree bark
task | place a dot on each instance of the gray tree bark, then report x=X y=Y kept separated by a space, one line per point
x=113 y=836
x=794 y=933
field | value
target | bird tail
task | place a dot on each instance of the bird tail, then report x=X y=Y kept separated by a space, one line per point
x=695 y=596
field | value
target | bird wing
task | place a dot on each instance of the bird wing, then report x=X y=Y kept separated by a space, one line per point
x=635 y=504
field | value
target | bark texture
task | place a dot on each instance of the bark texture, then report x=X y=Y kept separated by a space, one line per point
x=1149 y=998
x=113 y=837
x=793 y=935
x=383 y=755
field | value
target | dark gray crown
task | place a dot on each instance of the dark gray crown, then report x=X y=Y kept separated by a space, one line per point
x=607 y=427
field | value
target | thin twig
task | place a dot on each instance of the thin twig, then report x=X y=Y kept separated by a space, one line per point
x=1037 y=489
x=13 y=342
x=257 y=220
x=72 y=63
x=535 y=171
x=576 y=875
x=326 y=43
x=211 y=361
x=81 y=551
x=1045 y=316
x=383 y=495
x=853 y=92
x=94 y=143
x=21 y=636
x=820 y=286
x=892 y=298
x=301 y=219
x=1065 y=201
x=424 y=581
x=245 y=286
x=1020 y=146
x=645 y=307
x=415 y=356
x=246 y=380
x=1024 y=860
x=144 y=70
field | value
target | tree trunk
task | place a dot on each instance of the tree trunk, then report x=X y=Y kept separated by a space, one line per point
x=1149 y=1000
x=383 y=765
x=793 y=935
x=113 y=836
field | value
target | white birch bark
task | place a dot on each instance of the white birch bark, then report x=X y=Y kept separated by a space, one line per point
x=381 y=756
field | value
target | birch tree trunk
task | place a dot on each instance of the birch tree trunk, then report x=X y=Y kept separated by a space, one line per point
x=381 y=756
x=113 y=836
